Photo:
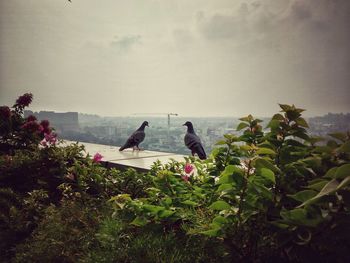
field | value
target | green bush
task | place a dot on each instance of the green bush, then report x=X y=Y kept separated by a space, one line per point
x=269 y=194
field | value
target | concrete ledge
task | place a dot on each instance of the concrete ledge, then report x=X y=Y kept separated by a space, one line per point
x=139 y=160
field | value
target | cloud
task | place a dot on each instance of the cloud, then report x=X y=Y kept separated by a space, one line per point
x=125 y=42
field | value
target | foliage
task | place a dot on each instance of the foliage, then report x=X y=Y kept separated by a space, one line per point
x=265 y=194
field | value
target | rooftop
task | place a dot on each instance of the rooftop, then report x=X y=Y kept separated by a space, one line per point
x=139 y=160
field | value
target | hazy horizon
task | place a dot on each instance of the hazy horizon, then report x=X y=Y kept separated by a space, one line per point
x=181 y=116
x=198 y=58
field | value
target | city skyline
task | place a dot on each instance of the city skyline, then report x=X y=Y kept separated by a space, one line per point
x=196 y=58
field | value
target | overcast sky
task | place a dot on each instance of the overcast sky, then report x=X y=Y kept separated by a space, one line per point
x=191 y=57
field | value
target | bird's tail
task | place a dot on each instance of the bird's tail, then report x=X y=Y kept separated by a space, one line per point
x=201 y=153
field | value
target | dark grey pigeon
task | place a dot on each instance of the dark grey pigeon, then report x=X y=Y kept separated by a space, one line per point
x=193 y=142
x=136 y=138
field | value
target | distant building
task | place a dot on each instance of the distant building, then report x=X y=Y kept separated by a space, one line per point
x=65 y=121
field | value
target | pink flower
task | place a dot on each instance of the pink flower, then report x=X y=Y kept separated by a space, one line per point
x=31 y=118
x=43 y=143
x=45 y=123
x=188 y=168
x=185 y=178
x=50 y=138
x=97 y=158
x=24 y=100
x=31 y=126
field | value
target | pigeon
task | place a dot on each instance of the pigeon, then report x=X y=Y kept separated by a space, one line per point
x=193 y=142
x=136 y=138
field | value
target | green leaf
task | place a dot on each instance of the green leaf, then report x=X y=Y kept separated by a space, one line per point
x=318 y=186
x=329 y=188
x=300 y=216
x=303 y=196
x=166 y=213
x=227 y=175
x=285 y=107
x=273 y=124
x=242 y=125
x=344 y=183
x=190 y=203
x=268 y=174
x=219 y=221
x=278 y=117
x=331 y=173
x=249 y=118
x=292 y=115
x=339 y=136
x=220 y=205
x=263 y=163
x=211 y=232
x=225 y=187
x=342 y=171
x=154 y=209
x=345 y=148
x=267 y=151
x=221 y=142
x=302 y=122
x=139 y=221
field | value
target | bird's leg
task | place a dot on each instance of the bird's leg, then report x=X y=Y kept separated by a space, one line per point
x=133 y=148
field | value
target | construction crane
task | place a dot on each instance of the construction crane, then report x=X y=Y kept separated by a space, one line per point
x=168 y=114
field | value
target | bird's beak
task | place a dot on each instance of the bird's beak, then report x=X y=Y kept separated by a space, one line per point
x=184 y=124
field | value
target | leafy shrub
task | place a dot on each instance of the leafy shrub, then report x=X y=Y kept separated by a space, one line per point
x=275 y=193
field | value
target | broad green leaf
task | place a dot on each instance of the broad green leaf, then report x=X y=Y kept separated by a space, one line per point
x=329 y=188
x=300 y=216
x=211 y=232
x=273 y=124
x=301 y=135
x=249 y=118
x=154 y=209
x=190 y=203
x=221 y=142
x=225 y=188
x=339 y=136
x=278 y=117
x=331 y=173
x=292 y=115
x=263 y=163
x=219 y=221
x=220 y=205
x=268 y=174
x=332 y=144
x=322 y=149
x=345 y=148
x=344 y=183
x=318 y=186
x=303 y=196
x=262 y=190
x=285 y=107
x=242 y=125
x=342 y=171
x=246 y=147
x=265 y=151
x=302 y=122
x=139 y=221
x=166 y=213
x=227 y=175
